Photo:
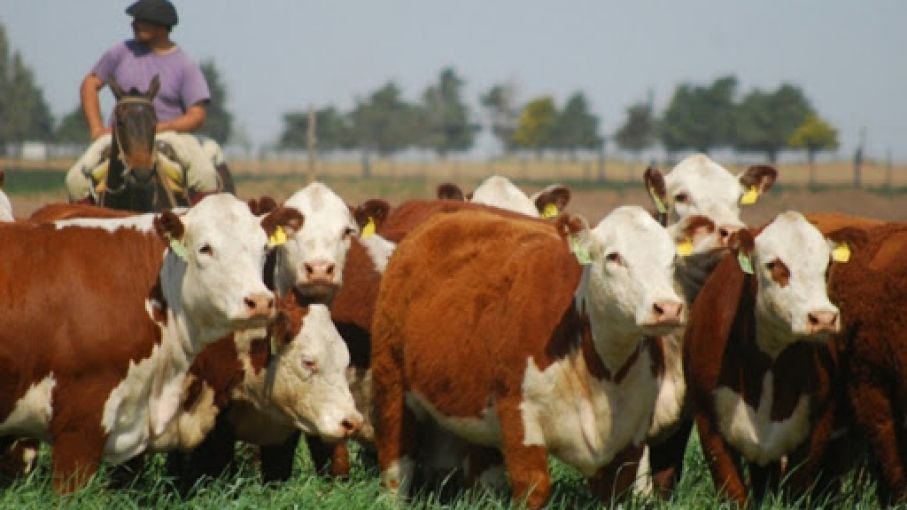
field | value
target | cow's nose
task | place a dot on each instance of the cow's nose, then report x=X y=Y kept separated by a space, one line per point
x=724 y=234
x=822 y=322
x=320 y=270
x=351 y=424
x=665 y=312
x=260 y=304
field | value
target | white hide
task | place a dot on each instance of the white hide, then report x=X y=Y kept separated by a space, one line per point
x=379 y=251
x=699 y=186
x=783 y=312
x=323 y=240
x=32 y=412
x=6 y=208
x=499 y=192
x=304 y=386
x=205 y=296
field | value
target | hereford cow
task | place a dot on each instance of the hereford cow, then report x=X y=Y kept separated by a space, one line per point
x=535 y=354
x=104 y=381
x=6 y=209
x=757 y=364
x=498 y=191
x=699 y=201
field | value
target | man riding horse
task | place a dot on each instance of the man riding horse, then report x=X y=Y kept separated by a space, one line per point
x=179 y=103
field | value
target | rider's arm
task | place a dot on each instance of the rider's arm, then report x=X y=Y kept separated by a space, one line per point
x=91 y=105
x=187 y=122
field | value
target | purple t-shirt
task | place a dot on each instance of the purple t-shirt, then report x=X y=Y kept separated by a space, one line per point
x=134 y=65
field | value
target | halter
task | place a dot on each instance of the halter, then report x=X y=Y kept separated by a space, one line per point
x=120 y=153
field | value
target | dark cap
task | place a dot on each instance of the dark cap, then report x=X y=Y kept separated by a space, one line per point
x=160 y=12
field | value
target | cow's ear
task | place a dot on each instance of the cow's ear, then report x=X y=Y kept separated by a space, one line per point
x=373 y=211
x=450 y=191
x=2 y=178
x=169 y=226
x=283 y=219
x=844 y=241
x=690 y=231
x=756 y=180
x=154 y=87
x=575 y=230
x=262 y=205
x=552 y=201
x=655 y=185
x=742 y=244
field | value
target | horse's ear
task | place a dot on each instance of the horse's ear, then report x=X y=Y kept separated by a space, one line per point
x=118 y=91
x=154 y=87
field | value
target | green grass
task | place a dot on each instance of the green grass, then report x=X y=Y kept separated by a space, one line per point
x=306 y=490
x=33 y=181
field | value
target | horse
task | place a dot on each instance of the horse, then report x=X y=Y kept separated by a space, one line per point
x=134 y=181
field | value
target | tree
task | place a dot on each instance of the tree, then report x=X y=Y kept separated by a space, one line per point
x=700 y=118
x=766 y=121
x=537 y=124
x=500 y=105
x=814 y=135
x=383 y=123
x=639 y=130
x=576 y=128
x=218 y=121
x=24 y=114
x=446 y=117
x=73 y=128
x=332 y=130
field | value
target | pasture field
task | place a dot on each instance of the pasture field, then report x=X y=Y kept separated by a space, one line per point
x=32 y=187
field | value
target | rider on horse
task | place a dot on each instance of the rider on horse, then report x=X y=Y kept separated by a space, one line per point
x=179 y=104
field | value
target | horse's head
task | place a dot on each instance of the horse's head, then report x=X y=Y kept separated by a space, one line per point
x=133 y=131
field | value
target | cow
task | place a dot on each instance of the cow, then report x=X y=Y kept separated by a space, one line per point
x=102 y=379
x=699 y=202
x=6 y=208
x=759 y=370
x=263 y=388
x=870 y=291
x=498 y=191
x=535 y=353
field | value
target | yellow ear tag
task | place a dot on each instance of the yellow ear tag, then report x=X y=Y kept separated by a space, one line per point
x=369 y=229
x=750 y=197
x=685 y=248
x=841 y=253
x=278 y=238
x=550 y=211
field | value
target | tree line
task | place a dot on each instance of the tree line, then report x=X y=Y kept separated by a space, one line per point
x=698 y=117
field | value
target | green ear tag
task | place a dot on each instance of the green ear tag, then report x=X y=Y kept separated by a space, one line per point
x=580 y=252
x=273 y=342
x=746 y=265
x=659 y=205
x=178 y=248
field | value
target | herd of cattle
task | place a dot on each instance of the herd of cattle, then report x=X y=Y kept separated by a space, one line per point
x=472 y=334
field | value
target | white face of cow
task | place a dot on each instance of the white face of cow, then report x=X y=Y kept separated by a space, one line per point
x=699 y=186
x=221 y=276
x=312 y=259
x=790 y=259
x=309 y=377
x=632 y=273
x=499 y=192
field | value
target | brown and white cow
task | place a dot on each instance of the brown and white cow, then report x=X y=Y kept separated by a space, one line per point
x=699 y=201
x=101 y=380
x=6 y=208
x=759 y=370
x=498 y=191
x=490 y=328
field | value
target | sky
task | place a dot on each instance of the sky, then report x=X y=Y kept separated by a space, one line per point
x=281 y=55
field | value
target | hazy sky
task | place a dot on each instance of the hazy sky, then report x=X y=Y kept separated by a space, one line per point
x=275 y=56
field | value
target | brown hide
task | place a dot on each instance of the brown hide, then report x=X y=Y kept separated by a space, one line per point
x=53 y=212
x=74 y=305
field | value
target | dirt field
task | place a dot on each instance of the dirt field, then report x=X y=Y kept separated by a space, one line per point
x=396 y=182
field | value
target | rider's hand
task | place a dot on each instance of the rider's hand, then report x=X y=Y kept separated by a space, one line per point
x=99 y=132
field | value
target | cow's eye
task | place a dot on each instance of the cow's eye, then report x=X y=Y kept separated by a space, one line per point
x=770 y=265
x=614 y=257
x=682 y=198
x=310 y=365
x=348 y=232
x=206 y=249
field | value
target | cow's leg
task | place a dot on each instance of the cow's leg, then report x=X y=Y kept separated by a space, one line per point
x=340 y=460
x=277 y=460
x=615 y=479
x=125 y=474
x=395 y=430
x=666 y=459
x=75 y=457
x=485 y=467
x=764 y=479
x=17 y=456
x=807 y=461
x=874 y=413
x=332 y=459
x=320 y=453
x=721 y=461
x=527 y=465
